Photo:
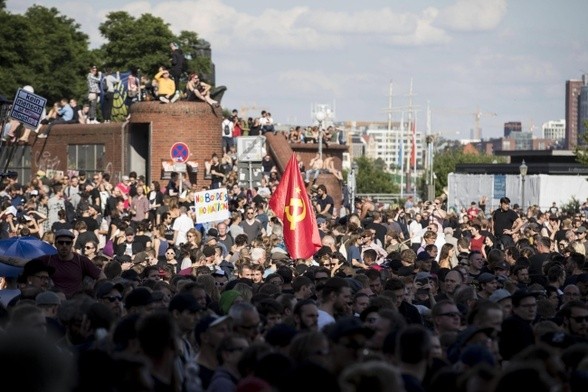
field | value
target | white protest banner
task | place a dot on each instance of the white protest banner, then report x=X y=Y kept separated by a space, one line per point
x=211 y=205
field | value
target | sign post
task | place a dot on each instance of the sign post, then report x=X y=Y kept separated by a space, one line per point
x=180 y=153
x=28 y=108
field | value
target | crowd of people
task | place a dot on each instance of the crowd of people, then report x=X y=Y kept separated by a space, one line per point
x=140 y=297
x=409 y=297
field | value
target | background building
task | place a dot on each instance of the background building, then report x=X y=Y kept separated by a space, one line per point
x=573 y=88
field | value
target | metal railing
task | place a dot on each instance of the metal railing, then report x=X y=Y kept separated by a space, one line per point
x=386 y=198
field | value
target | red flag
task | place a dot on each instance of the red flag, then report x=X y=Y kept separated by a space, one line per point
x=290 y=203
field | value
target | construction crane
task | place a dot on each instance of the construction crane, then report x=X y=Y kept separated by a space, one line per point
x=478 y=129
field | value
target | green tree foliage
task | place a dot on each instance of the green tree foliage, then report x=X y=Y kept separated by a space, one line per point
x=371 y=178
x=447 y=160
x=581 y=149
x=141 y=43
x=189 y=41
x=45 y=50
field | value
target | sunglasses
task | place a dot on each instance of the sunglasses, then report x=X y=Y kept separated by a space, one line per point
x=88 y=247
x=113 y=299
x=64 y=242
x=579 y=319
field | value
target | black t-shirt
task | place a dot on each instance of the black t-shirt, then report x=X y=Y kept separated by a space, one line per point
x=91 y=223
x=218 y=169
x=323 y=202
x=503 y=220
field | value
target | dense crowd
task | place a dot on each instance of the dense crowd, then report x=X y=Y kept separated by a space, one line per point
x=402 y=297
x=138 y=296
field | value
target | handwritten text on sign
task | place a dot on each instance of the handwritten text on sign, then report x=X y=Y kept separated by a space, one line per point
x=212 y=205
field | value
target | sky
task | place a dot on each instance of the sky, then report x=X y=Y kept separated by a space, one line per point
x=507 y=60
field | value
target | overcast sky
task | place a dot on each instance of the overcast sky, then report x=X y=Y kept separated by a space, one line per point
x=509 y=58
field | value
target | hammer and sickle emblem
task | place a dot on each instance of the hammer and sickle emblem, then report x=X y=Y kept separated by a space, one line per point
x=295 y=212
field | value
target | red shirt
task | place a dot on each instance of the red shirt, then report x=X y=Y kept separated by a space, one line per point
x=69 y=275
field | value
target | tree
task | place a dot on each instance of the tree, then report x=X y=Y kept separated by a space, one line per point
x=190 y=44
x=141 y=43
x=45 y=50
x=447 y=160
x=371 y=178
x=581 y=149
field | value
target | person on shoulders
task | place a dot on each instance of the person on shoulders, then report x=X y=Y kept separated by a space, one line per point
x=70 y=267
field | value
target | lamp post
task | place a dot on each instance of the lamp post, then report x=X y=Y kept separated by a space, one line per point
x=320 y=117
x=523 y=171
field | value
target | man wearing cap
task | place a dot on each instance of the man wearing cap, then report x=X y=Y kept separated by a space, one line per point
x=37 y=274
x=487 y=283
x=129 y=246
x=49 y=302
x=111 y=295
x=506 y=222
x=70 y=268
x=502 y=297
x=209 y=332
x=184 y=309
x=517 y=330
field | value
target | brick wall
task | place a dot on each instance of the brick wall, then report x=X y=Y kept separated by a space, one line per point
x=193 y=123
x=51 y=153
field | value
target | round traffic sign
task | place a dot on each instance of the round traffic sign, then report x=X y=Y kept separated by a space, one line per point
x=179 y=152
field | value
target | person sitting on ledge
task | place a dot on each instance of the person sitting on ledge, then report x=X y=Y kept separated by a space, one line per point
x=167 y=87
x=199 y=91
x=65 y=116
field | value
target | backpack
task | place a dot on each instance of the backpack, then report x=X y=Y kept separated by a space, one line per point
x=227 y=130
x=70 y=211
x=104 y=85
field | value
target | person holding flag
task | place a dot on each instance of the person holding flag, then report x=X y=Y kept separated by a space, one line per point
x=292 y=206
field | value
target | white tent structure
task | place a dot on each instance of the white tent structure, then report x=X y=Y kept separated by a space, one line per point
x=540 y=189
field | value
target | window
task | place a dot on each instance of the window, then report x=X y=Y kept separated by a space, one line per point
x=21 y=163
x=88 y=157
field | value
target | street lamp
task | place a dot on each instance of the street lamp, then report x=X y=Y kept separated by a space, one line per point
x=523 y=171
x=320 y=117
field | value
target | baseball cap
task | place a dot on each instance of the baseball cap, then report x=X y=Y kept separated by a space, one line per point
x=106 y=287
x=47 y=298
x=208 y=322
x=502 y=265
x=35 y=266
x=422 y=275
x=141 y=296
x=504 y=200
x=486 y=277
x=499 y=294
x=320 y=220
x=519 y=295
x=64 y=233
x=581 y=229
